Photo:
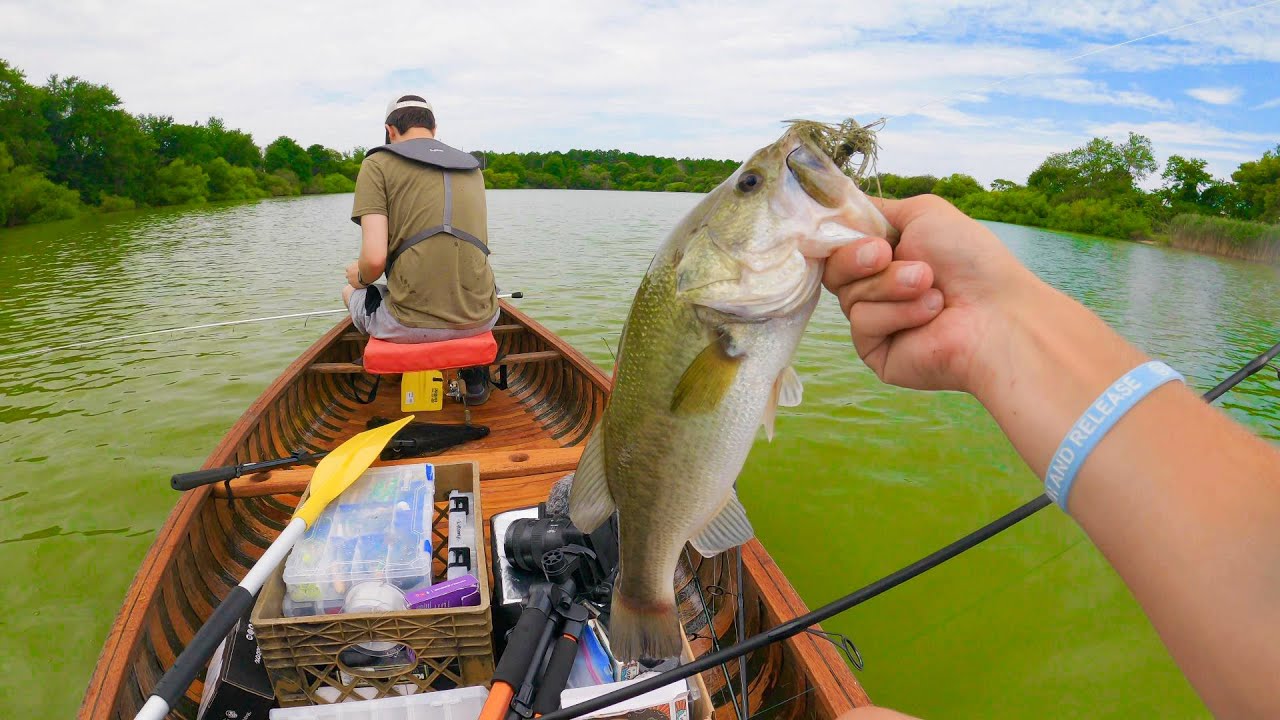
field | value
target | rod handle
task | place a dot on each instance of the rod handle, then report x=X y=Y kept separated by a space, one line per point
x=175 y=682
x=556 y=675
x=196 y=478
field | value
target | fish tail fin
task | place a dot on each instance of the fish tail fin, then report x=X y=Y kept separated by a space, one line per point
x=644 y=629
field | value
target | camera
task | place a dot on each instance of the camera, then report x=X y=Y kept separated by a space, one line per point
x=527 y=540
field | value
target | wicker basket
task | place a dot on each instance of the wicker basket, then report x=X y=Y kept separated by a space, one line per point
x=450 y=647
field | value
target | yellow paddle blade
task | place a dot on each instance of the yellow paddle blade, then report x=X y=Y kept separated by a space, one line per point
x=343 y=465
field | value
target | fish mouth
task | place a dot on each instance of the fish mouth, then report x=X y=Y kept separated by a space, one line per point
x=845 y=215
x=817 y=176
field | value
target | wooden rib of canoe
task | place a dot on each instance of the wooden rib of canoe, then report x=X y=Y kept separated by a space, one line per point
x=538 y=426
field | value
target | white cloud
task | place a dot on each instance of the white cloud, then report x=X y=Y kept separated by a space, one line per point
x=670 y=78
x=1216 y=95
x=1080 y=91
x=1273 y=103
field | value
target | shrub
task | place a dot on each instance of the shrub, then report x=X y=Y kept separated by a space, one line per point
x=179 y=183
x=231 y=182
x=1100 y=217
x=115 y=203
x=338 y=183
x=1019 y=206
x=281 y=183
x=27 y=196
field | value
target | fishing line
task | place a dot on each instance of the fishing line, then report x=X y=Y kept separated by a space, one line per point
x=888 y=582
x=186 y=328
x=711 y=629
x=1096 y=51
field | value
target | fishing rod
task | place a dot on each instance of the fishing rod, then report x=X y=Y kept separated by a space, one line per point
x=1251 y=367
x=928 y=562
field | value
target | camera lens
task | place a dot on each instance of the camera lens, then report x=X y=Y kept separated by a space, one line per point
x=527 y=540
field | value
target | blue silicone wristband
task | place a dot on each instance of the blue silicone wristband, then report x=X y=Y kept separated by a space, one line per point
x=1099 y=418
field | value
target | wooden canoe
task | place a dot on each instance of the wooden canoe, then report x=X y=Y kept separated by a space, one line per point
x=538 y=426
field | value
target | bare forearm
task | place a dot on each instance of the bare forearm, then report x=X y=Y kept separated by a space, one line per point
x=373 y=247
x=1182 y=501
x=369 y=270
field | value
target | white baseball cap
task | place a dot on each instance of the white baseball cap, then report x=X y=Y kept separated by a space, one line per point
x=397 y=104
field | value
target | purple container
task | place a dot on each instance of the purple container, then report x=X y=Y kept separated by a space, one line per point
x=458 y=592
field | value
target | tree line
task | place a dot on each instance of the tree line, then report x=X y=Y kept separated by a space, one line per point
x=67 y=147
x=1095 y=189
x=603 y=170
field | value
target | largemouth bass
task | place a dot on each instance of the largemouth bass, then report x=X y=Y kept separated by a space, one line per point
x=704 y=361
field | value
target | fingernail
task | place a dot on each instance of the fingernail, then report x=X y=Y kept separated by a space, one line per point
x=933 y=301
x=910 y=276
x=867 y=255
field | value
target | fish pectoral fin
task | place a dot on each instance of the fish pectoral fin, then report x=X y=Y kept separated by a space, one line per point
x=590 y=502
x=787 y=391
x=705 y=382
x=728 y=529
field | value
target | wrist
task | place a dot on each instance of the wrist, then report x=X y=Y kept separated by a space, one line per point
x=1043 y=366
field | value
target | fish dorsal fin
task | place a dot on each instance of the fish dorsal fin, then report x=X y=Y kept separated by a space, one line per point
x=705 y=382
x=787 y=391
x=590 y=502
x=728 y=529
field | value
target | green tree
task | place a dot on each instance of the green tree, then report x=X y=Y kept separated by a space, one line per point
x=234 y=146
x=22 y=126
x=1002 y=185
x=953 y=187
x=285 y=154
x=100 y=147
x=1258 y=184
x=500 y=180
x=1099 y=169
x=1185 y=180
x=323 y=160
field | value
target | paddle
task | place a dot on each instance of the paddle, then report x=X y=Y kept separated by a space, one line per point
x=334 y=474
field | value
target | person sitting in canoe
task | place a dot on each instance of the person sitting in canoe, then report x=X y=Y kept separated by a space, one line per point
x=421 y=210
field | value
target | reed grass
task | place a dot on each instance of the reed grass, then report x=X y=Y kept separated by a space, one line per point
x=1223 y=236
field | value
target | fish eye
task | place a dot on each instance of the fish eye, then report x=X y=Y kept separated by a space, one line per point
x=749 y=182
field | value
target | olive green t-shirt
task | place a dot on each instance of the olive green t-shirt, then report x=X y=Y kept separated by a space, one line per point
x=442 y=282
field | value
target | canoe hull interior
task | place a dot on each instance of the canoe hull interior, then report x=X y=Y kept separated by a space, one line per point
x=538 y=425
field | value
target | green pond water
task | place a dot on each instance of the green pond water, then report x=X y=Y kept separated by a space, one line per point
x=860 y=480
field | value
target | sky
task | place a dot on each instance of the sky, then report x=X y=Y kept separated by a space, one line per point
x=986 y=88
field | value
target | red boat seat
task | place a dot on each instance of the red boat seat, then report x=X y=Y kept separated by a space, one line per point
x=388 y=358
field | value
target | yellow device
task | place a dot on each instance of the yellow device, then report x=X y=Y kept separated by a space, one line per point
x=423 y=390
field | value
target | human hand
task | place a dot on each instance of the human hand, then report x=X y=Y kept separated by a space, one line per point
x=923 y=315
x=353 y=275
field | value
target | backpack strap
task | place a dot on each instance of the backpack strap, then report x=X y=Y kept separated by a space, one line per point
x=446 y=228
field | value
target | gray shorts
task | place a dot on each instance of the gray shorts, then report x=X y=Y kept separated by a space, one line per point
x=384 y=326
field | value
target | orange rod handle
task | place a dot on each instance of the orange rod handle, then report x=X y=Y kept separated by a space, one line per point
x=498 y=704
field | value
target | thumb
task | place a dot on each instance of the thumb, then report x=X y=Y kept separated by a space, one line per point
x=901 y=213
